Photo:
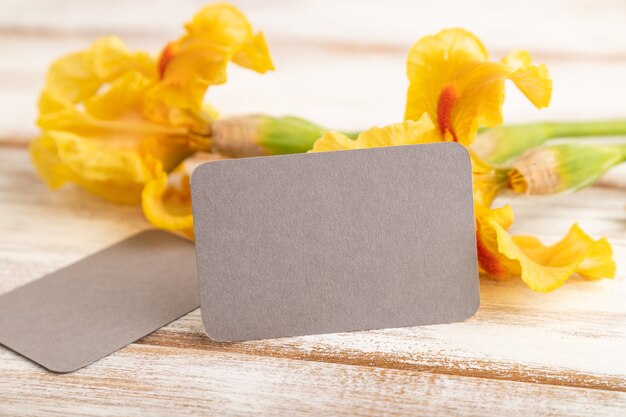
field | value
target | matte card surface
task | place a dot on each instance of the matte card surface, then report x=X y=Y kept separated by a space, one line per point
x=333 y=242
x=87 y=310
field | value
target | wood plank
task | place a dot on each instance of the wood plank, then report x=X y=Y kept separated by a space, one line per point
x=162 y=381
x=574 y=336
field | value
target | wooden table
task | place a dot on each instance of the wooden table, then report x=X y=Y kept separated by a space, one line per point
x=524 y=353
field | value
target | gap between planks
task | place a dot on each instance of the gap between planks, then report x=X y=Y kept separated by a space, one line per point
x=15 y=142
x=175 y=383
x=198 y=341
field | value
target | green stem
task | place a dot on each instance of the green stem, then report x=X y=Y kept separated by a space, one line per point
x=585 y=129
x=500 y=144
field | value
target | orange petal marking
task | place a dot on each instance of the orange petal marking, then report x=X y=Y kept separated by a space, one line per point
x=166 y=56
x=489 y=262
x=445 y=103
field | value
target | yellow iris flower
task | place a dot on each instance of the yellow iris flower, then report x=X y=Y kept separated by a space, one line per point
x=98 y=127
x=453 y=90
x=215 y=36
x=453 y=81
x=116 y=121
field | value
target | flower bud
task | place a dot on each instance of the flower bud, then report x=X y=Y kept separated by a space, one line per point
x=261 y=135
x=561 y=168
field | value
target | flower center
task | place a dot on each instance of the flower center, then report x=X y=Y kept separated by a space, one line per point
x=448 y=97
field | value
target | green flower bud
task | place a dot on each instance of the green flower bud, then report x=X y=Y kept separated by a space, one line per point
x=261 y=135
x=561 y=168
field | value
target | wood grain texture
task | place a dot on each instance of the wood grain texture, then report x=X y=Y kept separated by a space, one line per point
x=159 y=381
x=341 y=64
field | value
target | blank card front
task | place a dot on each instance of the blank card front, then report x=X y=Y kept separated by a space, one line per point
x=338 y=241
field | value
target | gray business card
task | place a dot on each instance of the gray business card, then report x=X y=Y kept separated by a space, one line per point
x=89 y=309
x=333 y=242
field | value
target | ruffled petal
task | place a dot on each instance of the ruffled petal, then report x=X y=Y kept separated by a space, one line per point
x=536 y=275
x=46 y=160
x=490 y=259
x=94 y=161
x=543 y=268
x=405 y=133
x=216 y=35
x=432 y=62
x=79 y=75
x=533 y=81
x=123 y=96
x=166 y=201
x=335 y=141
x=89 y=86
x=481 y=92
x=596 y=263
x=452 y=80
x=599 y=262
x=480 y=99
x=56 y=156
x=255 y=55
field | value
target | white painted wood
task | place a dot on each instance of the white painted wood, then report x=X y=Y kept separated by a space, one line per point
x=160 y=381
x=340 y=64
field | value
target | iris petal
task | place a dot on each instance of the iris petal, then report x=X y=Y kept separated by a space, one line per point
x=216 y=35
x=405 y=133
x=166 y=201
x=542 y=267
x=456 y=60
